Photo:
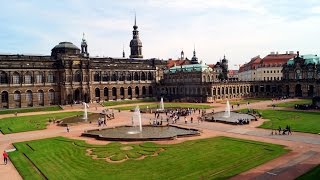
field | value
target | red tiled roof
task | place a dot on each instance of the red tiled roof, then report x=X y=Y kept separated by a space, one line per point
x=171 y=63
x=276 y=59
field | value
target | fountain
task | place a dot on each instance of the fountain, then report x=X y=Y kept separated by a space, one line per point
x=227 y=110
x=136 y=119
x=161 y=104
x=85 y=112
x=228 y=117
x=149 y=133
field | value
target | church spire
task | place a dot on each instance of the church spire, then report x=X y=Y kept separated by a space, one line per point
x=135 y=43
x=194 y=59
x=123 y=53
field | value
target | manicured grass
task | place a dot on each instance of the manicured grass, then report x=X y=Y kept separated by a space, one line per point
x=250 y=100
x=115 y=103
x=167 y=105
x=31 y=109
x=312 y=174
x=302 y=121
x=62 y=158
x=30 y=123
x=291 y=104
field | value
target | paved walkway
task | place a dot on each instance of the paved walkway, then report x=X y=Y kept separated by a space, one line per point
x=304 y=154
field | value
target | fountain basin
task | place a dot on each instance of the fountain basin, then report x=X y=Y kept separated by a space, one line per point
x=149 y=133
x=79 y=119
x=234 y=117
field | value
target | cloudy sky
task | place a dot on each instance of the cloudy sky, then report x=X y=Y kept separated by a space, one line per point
x=240 y=29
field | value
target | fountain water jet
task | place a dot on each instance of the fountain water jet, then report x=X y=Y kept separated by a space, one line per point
x=161 y=104
x=227 y=110
x=136 y=118
x=85 y=112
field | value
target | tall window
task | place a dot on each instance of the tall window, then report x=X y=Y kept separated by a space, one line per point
x=29 y=98
x=39 y=78
x=40 y=97
x=50 y=77
x=3 y=78
x=16 y=78
x=51 y=96
x=27 y=78
x=105 y=76
x=77 y=76
x=16 y=96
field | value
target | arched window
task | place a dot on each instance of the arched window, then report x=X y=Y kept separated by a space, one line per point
x=40 y=97
x=29 y=99
x=150 y=91
x=114 y=91
x=143 y=76
x=17 y=98
x=96 y=77
x=50 y=77
x=4 y=97
x=39 y=77
x=15 y=78
x=114 y=77
x=150 y=76
x=136 y=76
x=77 y=76
x=121 y=91
x=144 y=90
x=3 y=77
x=106 y=92
x=136 y=90
x=129 y=78
x=51 y=97
x=97 y=92
x=122 y=76
x=105 y=77
x=27 y=78
x=129 y=91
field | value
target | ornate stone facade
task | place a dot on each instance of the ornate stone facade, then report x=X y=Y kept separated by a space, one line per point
x=69 y=75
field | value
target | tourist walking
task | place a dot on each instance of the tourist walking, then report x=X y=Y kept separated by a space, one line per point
x=68 y=128
x=5 y=157
x=279 y=129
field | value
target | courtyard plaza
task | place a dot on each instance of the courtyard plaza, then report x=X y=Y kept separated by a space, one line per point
x=304 y=148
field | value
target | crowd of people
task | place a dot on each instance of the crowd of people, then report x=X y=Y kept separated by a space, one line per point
x=282 y=131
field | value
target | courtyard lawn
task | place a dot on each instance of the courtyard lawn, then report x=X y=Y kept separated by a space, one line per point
x=250 y=100
x=302 y=121
x=62 y=158
x=167 y=105
x=30 y=123
x=312 y=174
x=115 y=103
x=291 y=104
x=31 y=109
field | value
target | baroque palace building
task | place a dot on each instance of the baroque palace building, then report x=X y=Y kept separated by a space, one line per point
x=70 y=75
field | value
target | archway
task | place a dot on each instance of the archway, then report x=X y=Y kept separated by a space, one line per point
x=29 y=99
x=40 y=97
x=77 y=95
x=97 y=94
x=136 y=91
x=129 y=92
x=17 y=99
x=114 y=93
x=298 y=90
x=51 y=97
x=144 y=90
x=122 y=93
x=5 y=99
x=310 y=90
x=150 y=91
